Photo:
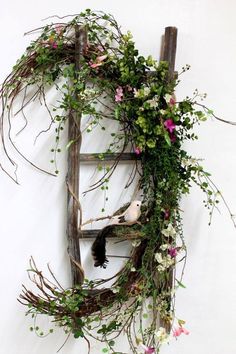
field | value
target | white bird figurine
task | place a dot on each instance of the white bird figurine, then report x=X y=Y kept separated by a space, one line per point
x=129 y=217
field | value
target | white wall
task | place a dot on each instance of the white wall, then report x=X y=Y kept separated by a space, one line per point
x=33 y=214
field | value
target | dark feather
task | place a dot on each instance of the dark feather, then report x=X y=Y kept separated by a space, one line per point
x=121 y=219
x=99 y=247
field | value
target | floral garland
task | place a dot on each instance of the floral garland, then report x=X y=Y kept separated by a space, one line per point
x=135 y=92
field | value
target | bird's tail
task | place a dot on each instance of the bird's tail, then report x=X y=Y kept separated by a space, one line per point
x=99 y=247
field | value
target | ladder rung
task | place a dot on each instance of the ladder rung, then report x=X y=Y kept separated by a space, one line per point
x=90 y=234
x=126 y=156
x=117 y=233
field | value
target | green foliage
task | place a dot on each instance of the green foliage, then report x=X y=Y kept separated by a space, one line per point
x=138 y=94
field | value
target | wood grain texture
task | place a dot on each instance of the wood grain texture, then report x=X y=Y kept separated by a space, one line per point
x=169 y=54
x=74 y=133
x=117 y=232
x=169 y=49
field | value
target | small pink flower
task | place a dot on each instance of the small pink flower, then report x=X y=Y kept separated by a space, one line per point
x=137 y=150
x=170 y=125
x=147 y=350
x=173 y=251
x=100 y=48
x=166 y=214
x=98 y=62
x=135 y=288
x=94 y=65
x=150 y=350
x=59 y=29
x=178 y=331
x=101 y=58
x=185 y=331
x=54 y=45
x=51 y=42
x=129 y=88
x=172 y=101
x=172 y=137
x=135 y=91
x=119 y=94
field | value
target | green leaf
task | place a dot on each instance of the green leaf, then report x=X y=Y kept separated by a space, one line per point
x=210 y=111
x=180 y=284
x=151 y=143
x=79 y=333
x=69 y=144
x=117 y=112
x=167 y=138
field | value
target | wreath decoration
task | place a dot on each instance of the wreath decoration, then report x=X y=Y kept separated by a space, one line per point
x=135 y=92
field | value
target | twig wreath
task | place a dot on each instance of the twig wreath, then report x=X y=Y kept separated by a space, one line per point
x=134 y=91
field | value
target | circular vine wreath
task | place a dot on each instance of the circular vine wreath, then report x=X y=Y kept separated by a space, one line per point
x=135 y=92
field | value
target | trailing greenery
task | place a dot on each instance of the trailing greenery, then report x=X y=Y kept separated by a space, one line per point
x=113 y=81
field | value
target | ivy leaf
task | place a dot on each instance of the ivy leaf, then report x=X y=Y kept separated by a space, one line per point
x=79 y=333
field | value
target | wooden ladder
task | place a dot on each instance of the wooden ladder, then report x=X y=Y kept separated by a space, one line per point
x=75 y=158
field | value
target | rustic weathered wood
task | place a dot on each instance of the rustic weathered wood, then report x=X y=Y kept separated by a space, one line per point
x=89 y=233
x=127 y=234
x=169 y=54
x=169 y=49
x=73 y=227
x=94 y=157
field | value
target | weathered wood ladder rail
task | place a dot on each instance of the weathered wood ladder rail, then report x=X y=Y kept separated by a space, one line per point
x=74 y=232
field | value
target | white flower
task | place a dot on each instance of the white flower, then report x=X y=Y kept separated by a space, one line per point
x=143 y=92
x=167 y=97
x=167 y=261
x=136 y=243
x=133 y=269
x=169 y=231
x=164 y=247
x=90 y=92
x=153 y=103
x=164 y=262
x=158 y=257
x=115 y=290
x=136 y=93
x=160 y=268
x=146 y=91
x=190 y=161
x=162 y=335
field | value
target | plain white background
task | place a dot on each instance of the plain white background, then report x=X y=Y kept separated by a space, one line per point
x=33 y=215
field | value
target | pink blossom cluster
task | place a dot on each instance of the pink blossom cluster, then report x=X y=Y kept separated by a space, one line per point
x=178 y=331
x=119 y=94
x=170 y=127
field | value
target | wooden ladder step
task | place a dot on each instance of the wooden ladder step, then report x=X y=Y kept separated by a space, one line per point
x=91 y=234
x=95 y=157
